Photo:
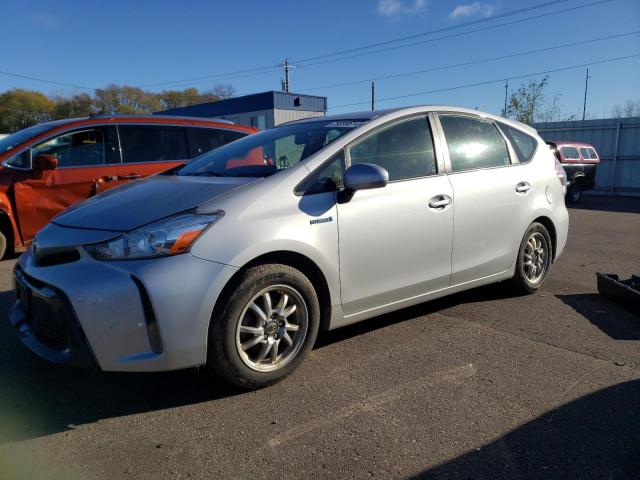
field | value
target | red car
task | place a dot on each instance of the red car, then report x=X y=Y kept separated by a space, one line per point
x=580 y=162
x=47 y=167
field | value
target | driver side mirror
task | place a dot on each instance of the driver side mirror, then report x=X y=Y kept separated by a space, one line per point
x=364 y=176
x=45 y=162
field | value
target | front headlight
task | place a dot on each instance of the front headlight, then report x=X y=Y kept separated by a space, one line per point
x=170 y=236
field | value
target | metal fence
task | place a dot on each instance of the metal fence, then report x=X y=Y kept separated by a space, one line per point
x=617 y=141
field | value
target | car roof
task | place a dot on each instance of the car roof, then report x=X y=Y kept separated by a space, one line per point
x=570 y=144
x=369 y=115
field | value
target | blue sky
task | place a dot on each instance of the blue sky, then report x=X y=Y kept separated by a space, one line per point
x=93 y=43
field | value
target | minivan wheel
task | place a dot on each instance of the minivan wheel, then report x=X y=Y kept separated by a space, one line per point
x=534 y=259
x=3 y=245
x=574 y=194
x=265 y=327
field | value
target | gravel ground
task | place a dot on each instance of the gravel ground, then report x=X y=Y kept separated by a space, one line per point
x=477 y=385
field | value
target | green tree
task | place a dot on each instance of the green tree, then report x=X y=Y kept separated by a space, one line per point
x=126 y=99
x=528 y=104
x=22 y=108
x=189 y=96
x=81 y=105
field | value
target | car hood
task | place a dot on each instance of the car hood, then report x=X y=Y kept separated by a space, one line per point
x=141 y=202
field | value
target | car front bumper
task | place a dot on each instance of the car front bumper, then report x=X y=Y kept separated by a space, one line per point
x=142 y=315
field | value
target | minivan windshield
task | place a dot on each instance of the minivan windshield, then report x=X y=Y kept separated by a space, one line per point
x=270 y=151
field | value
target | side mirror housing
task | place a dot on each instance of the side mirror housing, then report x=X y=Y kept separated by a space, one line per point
x=364 y=176
x=45 y=162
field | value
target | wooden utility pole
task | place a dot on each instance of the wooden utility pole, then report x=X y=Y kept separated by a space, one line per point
x=586 y=86
x=373 y=96
x=287 y=66
x=506 y=94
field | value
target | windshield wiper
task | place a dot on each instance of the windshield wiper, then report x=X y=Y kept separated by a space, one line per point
x=206 y=174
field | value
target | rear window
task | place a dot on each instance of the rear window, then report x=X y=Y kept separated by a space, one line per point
x=585 y=153
x=152 y=143
x=524 y=145
x=570 y=153
x=592 y=154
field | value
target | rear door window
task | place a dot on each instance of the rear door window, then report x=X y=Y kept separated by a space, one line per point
x=585 y=153
x=474 y=143
x=203 y=140
x=592 y=154
x=570 y=153
x=153 y=143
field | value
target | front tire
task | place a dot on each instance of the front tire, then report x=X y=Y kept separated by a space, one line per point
x=265 y=327
x=534 y=259
x=3 y=245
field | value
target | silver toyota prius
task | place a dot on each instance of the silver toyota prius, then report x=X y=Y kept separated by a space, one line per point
x=236 y=260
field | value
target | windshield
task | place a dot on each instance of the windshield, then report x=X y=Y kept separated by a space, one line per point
x=20 y=136
x=269 y=151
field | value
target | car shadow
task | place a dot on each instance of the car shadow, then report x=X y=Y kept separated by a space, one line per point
x=38 y=398
x=607 y=204
x=495 y=291
x=617 y=322
x=595 y=436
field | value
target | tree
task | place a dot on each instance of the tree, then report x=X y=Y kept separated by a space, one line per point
x=126 y=99
x=629 y=109
x=222 y=91
x=189 y=96
x=22 y=108
x=80 y=105
x=528 y=103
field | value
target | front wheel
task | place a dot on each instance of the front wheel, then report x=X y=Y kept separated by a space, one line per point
x=534 y=259
x=266 y=326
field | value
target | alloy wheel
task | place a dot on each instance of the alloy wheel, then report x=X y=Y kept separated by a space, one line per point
x=272 y=328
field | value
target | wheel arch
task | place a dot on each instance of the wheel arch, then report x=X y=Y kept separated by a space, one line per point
x=551 y=228
x=295 y=260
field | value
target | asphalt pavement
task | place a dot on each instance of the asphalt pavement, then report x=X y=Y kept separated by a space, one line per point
x=481 y=384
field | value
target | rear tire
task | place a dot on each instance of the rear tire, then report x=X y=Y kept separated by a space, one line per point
x=3 y=246
x=574 y=194
x=265 y=327
x=534 y=259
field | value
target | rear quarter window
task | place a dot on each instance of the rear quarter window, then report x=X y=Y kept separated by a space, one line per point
x=525 y=145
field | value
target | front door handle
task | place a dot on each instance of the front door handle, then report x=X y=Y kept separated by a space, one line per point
x=131 y=176
x=523 y=187
x=440 y=202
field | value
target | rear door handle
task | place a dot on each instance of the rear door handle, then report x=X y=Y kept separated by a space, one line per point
x=523 y=187
x=440 y=202
x=131 y=176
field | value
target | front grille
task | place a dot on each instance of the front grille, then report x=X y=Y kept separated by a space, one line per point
x=47 y=259
x=46 y=313
x=53 y=333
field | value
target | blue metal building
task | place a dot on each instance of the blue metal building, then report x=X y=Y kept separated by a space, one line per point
x=261 y=110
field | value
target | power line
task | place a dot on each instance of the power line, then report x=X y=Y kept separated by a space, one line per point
x=459 y=34
x=472 y=62
x=431 y=32
x=271 y=68
x=488 y=82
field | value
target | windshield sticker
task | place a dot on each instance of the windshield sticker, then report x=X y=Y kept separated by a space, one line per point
x=345 y=124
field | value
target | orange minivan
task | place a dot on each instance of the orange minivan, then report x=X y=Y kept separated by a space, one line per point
x=47 y=167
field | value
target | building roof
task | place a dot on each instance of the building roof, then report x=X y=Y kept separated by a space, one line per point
x=251 y=103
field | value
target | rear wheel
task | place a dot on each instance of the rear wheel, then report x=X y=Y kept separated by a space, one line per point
x=534 y=259
x=266 y=326
x=3 y=245
x=574 y=194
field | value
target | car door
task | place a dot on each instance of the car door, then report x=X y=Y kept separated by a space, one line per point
x=150 y=149
x=395 y=242
x=86 y=164
x=492 y=197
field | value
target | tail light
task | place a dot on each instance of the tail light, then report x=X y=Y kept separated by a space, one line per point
x=562 y=175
